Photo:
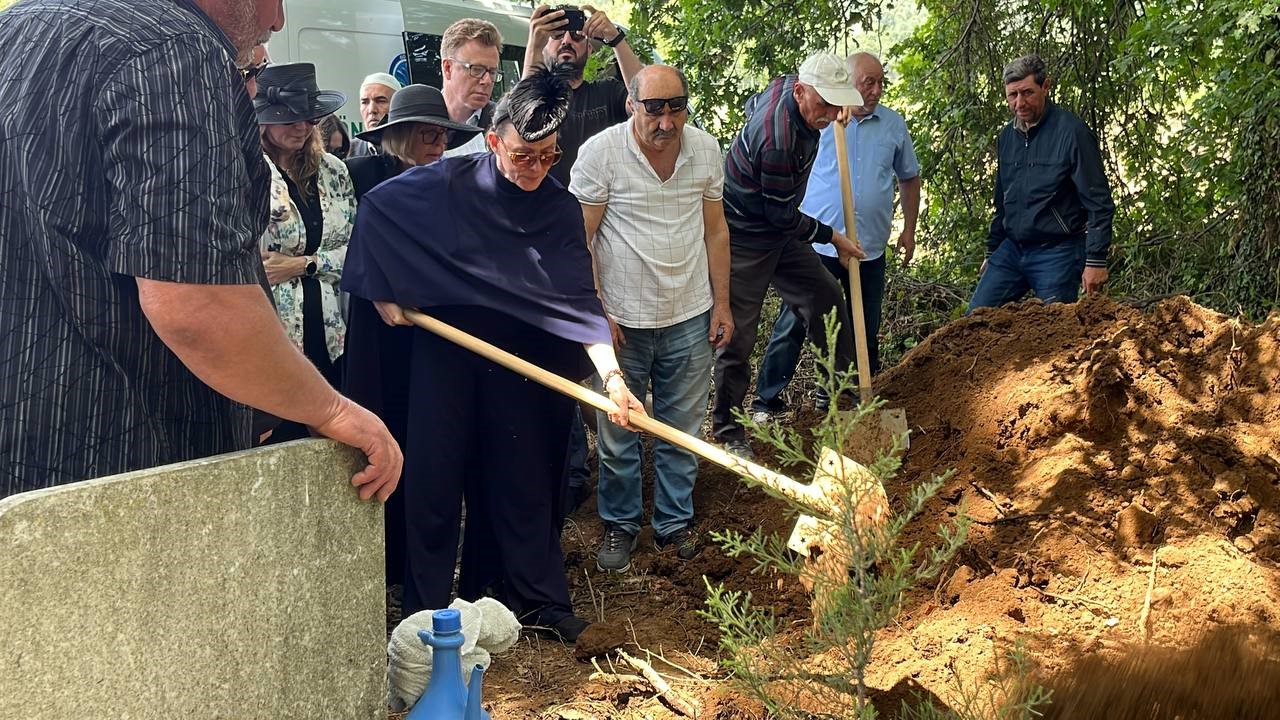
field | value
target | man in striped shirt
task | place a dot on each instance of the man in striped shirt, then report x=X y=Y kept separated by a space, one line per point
x=770 y=240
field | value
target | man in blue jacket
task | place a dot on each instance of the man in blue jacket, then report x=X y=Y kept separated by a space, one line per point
x=1052 y=225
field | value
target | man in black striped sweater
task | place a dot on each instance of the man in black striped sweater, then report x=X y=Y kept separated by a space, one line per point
x=770 y=239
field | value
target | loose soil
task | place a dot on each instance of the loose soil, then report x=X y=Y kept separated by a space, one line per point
x=1085 y=440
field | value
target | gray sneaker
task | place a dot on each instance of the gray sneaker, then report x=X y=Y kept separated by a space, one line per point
x=741 y=448
x=762 y=417
x=615 y=550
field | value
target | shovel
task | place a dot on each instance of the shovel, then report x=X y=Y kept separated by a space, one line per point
x=871 y=436
x=836 y=479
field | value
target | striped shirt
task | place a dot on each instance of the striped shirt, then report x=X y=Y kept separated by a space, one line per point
x=767 y=170
x=128 y=149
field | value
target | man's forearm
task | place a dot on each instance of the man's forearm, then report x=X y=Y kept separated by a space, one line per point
x=628 y=62
x=230 y=338
x=910 y=190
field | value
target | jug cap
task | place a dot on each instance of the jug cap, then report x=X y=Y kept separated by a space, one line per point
x=447 y=620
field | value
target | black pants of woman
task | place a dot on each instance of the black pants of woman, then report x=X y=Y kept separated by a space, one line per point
x=480 y=431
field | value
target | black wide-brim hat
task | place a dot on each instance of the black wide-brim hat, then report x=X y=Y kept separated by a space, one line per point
x=421 y=104
x=288 y=93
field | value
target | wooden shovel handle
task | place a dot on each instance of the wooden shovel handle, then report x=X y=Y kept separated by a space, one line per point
x=717 y=455
x=855 y=276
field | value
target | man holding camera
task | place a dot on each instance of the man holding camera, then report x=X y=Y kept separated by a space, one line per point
x=563 y=34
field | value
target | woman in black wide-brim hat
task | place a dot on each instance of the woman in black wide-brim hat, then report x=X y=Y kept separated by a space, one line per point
x=417 y=131
x=312 y=211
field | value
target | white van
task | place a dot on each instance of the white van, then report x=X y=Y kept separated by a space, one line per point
x=348 y=39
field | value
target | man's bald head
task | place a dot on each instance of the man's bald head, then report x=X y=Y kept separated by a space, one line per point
x=868 y=78
x=658 y=81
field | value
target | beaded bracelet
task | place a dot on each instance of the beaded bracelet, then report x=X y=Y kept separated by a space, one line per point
x=610 y=374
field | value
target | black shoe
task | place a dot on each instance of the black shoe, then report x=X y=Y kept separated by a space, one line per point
x=567 y=629
x=684 y=540
x=821 y=402
x=615 y=550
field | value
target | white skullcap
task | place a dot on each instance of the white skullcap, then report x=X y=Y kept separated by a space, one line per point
x=381 y=79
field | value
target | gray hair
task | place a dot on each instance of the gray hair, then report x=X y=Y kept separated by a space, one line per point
x=1024 y=66
x=634 y=86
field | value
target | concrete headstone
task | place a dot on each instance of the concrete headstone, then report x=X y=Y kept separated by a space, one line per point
x=248 y=585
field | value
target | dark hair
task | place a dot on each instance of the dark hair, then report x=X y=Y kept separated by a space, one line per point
x=329 y=125
x=1024 y=66
x=537 y=104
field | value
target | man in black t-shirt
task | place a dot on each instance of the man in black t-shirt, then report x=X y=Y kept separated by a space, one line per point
x=594 y=105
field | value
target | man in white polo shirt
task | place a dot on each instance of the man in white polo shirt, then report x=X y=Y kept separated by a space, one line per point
x=651 y=192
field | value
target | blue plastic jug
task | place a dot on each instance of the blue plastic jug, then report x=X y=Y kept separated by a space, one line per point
x=446 y=698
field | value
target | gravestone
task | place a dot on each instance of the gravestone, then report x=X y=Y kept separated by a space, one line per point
x=249 y=585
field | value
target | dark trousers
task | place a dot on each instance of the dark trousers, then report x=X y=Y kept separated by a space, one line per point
x=478 y=429
x=798 y=276
x=787 y=340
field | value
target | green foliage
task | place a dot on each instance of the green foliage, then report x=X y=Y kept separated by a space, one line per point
x=1183 y=94
x=881 y=569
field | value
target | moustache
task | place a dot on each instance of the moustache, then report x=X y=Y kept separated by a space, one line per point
x=663 y=134
x=570 y=48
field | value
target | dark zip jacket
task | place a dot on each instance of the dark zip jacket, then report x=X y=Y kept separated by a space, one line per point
x=1051 y=188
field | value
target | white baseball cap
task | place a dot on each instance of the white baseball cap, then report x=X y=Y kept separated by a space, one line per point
x=829 y=74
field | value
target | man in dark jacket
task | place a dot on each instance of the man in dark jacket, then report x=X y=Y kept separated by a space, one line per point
x=1052 y=225
x=766 y=173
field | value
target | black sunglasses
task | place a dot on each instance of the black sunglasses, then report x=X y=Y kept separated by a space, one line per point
x=653 y=106
x=575 y=35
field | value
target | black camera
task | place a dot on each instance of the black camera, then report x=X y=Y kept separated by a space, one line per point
x=577 y=19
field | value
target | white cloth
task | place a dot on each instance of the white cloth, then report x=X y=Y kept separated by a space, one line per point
x=650 y=249
x=381 y=78
x=487 y=627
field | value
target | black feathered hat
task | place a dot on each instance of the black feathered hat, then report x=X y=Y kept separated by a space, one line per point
x=537 y=104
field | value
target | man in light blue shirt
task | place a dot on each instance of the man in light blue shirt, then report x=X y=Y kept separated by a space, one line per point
x=880 y=152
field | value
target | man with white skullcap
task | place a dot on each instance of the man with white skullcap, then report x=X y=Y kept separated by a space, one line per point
x=375 y=101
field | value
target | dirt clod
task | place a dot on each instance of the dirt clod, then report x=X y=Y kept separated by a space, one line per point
x=599 y=638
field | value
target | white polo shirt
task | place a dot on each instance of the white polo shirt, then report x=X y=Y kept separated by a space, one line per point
x=650 y=250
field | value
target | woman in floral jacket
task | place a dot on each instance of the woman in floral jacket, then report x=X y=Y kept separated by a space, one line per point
x=312 y=210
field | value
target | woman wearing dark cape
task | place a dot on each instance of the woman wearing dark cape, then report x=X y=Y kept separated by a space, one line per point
x=491 y=245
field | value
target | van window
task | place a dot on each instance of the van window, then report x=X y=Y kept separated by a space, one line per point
x=423 y=53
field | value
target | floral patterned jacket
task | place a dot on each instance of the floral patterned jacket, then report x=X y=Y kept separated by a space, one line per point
x=288 y=235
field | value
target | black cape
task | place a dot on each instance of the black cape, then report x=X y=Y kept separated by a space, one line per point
x=457 y=232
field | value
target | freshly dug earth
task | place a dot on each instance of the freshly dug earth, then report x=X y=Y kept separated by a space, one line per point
x=1085 y=440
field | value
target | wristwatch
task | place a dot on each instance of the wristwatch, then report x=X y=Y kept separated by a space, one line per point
x=311 y=268
x=622 y=35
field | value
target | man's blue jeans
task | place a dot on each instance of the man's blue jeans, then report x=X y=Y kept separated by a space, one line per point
x=787 y=340
x=677 y=361
x=1052 y=272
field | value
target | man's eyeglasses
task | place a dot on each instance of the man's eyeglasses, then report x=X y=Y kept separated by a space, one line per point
x=253 y=71
x=653 y=106
x=524 y=159
x=573 y=35
x=478 y=71
x=432 y=135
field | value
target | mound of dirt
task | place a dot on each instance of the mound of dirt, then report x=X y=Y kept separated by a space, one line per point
x=1085 y=440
